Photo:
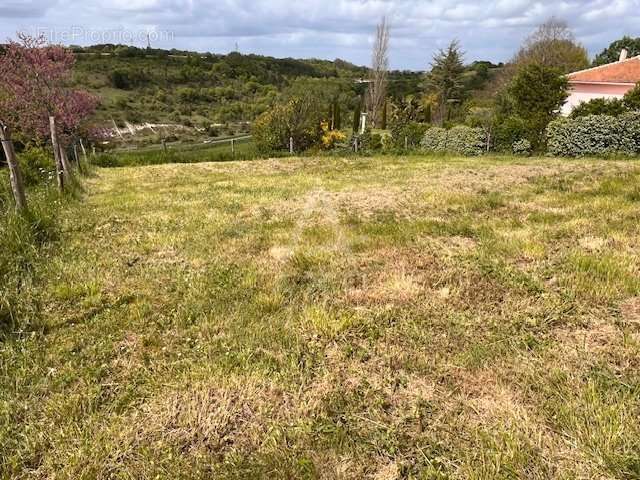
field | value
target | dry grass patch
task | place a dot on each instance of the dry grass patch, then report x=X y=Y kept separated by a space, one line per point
x=411 y=318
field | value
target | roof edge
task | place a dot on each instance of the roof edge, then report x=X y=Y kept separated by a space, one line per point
x=569 y=75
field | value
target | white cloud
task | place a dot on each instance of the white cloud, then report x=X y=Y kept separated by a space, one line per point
x=342 y=28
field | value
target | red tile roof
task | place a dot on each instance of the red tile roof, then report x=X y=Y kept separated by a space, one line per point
x=627 y=71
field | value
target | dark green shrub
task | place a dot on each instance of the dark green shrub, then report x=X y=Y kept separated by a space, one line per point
x=461 y=140
x=631 y=99
x=537 y=93
x=508 y=131
x=599 y=106
x=595 y=135
x=467 y=141
x=37 y=165
x=522 y=147
x=435 y=140
x=408 y=134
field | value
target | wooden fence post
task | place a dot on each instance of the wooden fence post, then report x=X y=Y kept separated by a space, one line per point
x=17 y=185
x=66 y=166
x=291 y=145
x=77 y=158
x=56 y=153
x=233 y=146
x=84 y=150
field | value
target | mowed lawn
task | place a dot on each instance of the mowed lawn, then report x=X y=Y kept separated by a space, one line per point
x=326 y=318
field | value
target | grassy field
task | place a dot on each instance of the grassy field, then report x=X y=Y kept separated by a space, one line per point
x=244 y=149
x=324 y=318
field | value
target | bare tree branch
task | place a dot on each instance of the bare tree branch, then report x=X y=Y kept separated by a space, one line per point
x=379 y=68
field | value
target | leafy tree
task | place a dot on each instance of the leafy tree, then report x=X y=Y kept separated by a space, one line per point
x=612 y=52
x=553 y=45
x=632 y=98
x=537 y=93
x=33 y=78
x=300 y=118
x=407 y=122
x=33 y=88
x=446 y=79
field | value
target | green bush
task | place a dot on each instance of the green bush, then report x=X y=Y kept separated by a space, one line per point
x=461 y=140
x=300 y=119
x=467 y=141
x=595 y=135
x=522 y=147
x=508 y=131
x=599 y=106
x=37 y=166
x=408 y=134
x=435 y=140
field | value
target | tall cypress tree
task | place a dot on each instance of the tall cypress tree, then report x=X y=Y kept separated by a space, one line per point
x=356 y=117
x=446 y=79
x=383 y=120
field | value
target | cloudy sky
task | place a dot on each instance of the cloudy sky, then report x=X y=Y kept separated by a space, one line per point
x=490 y=30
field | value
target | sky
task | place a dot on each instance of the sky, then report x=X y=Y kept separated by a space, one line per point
x=487 y=30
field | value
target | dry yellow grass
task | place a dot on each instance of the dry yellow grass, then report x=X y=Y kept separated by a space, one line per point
x=379 y=318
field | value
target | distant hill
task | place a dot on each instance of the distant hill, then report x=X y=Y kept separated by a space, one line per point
x=151 y=85
x=140 y=85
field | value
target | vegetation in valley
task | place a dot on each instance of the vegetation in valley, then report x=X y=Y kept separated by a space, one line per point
x=390 y=317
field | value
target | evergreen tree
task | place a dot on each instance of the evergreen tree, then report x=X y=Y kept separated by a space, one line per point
x=383 y=120
x=356 y=117
x=446 y=79
x=336 y=116
x=537 y=93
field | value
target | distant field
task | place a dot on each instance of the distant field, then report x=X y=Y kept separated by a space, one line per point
x=327 y=318
x=244 y=149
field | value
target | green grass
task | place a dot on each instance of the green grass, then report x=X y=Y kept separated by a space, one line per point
x=395 y=317
x=244 y=150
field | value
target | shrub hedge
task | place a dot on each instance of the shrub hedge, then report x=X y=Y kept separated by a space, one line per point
x=594 y=135
x=460 y=140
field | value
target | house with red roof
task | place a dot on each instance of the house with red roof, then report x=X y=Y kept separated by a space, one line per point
x=606 y=81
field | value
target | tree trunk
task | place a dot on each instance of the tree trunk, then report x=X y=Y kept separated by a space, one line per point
x=17 y=185
x=56 y=153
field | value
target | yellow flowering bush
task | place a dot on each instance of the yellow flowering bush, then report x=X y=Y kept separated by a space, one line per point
x=331 y=137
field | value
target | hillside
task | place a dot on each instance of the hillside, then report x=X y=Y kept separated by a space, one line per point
x=201 y=89
x=162 y=86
